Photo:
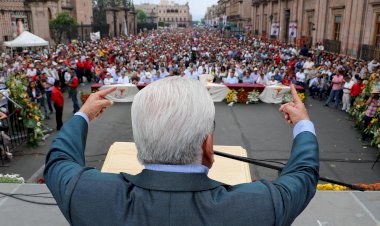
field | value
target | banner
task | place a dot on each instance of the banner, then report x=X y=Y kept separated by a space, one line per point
x=224 y=20
x=95 y=36
x=125 y=28
x=292 y=30
x=275 y=29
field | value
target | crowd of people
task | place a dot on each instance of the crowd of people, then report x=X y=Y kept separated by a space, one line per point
x=203 y=54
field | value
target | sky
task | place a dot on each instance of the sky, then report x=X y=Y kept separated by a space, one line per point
x=197 y=7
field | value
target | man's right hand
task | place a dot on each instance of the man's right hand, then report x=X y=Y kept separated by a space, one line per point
x=294 y=111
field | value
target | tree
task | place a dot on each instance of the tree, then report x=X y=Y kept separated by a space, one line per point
x=161 y=24
x=141 y=16
x=61 y=24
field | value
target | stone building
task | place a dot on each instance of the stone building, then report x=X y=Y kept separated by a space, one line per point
x=348 y=27
x=173 y=14
x=34 y=15
x=239 y=13
x=121 y=21
x=231 y=13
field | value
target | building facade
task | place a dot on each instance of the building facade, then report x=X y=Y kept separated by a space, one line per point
x=34 y=15
x=121 y=21
x=230 y=13
x=350 y=27
x=168 y=13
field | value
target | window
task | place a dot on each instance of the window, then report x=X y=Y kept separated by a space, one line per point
x=310 y=25
x=265 y=23
x=337 y=26
x=164 y=19
x=180 y=19
x=377 y=31
x=257 y=22
x=176 y=19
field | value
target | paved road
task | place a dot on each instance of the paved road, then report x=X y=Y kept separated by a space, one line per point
x=258 y=128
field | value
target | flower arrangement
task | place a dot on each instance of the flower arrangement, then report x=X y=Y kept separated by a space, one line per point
x=253 y=97
x=287 y=97
x=30 y=113
x=11 y=178
x=231 y=96
x=335 y=187
x=358 y=113
x=302 y=96
x=242 y=96
x=84 y=96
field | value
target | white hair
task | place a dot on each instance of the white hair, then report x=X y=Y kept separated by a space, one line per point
x=171 y=119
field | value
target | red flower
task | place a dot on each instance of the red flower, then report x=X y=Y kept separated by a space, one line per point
x=41 y=180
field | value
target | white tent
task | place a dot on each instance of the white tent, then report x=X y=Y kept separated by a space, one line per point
x=26 y=39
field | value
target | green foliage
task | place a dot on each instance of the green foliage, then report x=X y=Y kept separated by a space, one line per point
x=30 y=113
x=358 y=113
x=61 y=24
x=141 y=16
x=11 y=178
x=161 y=24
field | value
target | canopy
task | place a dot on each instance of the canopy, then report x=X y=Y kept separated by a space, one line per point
x=27 y=39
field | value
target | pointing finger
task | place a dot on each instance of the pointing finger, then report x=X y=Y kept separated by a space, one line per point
x=296 y=98
x=107 y=91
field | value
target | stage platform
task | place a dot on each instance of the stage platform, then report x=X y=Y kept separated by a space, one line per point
x=326 y=209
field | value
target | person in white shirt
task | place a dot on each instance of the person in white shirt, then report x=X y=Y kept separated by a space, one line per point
x=112 y=70
x=262 y=79
x=48 y=89
x=348 y=83
x=108 y=80
x=123 y=79
x=31 y=71
x=147 y=78
x=232 y=79
x=192 y=74
x=270 y=74
x=372 y=65
x=272 y=81
x=300 y=77
x=255 y=75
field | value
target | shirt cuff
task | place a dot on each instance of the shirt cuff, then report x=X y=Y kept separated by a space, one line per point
x=83 y=115
x=303 y=126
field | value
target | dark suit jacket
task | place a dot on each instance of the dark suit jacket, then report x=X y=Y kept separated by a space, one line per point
x=89 y=197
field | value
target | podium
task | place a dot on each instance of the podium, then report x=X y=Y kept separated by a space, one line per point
x=122 y=157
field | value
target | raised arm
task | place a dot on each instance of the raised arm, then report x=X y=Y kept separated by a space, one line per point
x=296 y=185
x=65 y=161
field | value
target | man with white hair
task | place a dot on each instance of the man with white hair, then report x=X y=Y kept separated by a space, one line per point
x=173 y=123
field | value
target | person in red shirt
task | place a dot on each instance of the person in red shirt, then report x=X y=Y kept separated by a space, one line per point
x=356 y=90
x=73 y=90
x=88 y=65
x=278 y=58
x=80 y=70
x=58 y=100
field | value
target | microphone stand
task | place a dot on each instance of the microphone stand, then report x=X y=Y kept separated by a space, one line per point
x=278 y=168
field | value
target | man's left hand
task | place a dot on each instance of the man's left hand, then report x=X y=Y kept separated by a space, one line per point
x=96 y=103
